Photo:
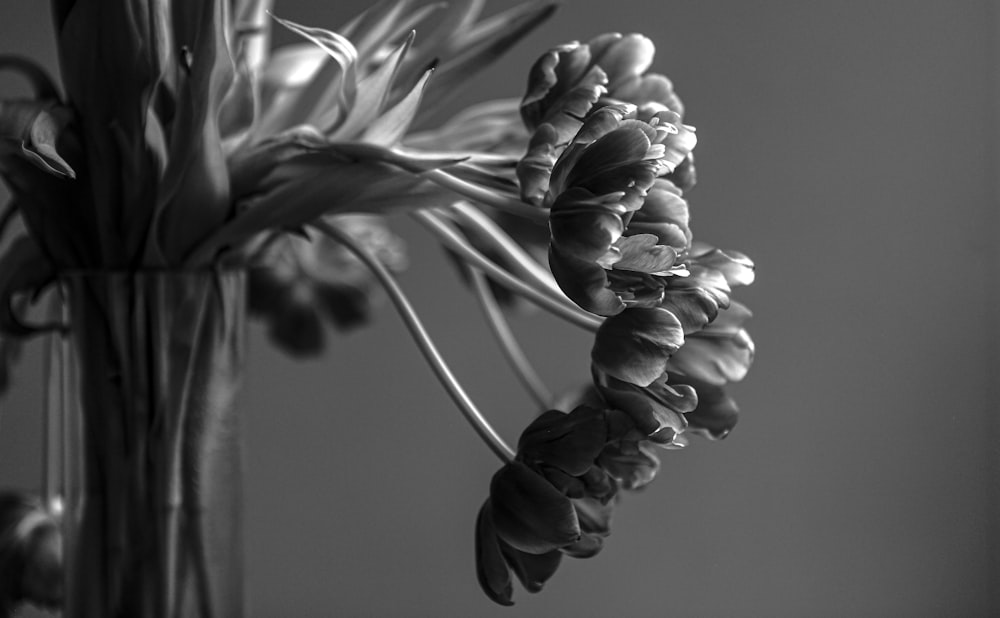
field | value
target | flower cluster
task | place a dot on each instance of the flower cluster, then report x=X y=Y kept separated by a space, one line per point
x=611 y=159
x=556 y=497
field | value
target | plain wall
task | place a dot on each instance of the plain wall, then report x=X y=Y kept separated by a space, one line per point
x=851 y=149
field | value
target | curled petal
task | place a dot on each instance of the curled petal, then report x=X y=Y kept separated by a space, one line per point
x=649 y=88
x=622 y=57
x=610 y=155
x=585 y=283
x=652 y=408
x=594 y=515
x=569 y=442
x=685 y=175
x=632 y=464
x=491 y=567
x=588 y=546
x=694 y=307
x=737 y=268
x=634 y=346
x=535 y=168
x=532 y=570
x=529 y=513
x=715 y=356
x=584 y=225
x=563 y=85
x=642 y=253
x=664 y=213
x=716 y=414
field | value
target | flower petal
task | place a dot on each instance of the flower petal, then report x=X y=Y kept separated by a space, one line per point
x=569 y=442
x=716 y=414
x=642 y=253
x=635 y=345
x=622 y=57
x=715 y=357
x=585 y=283
x=737 y=268
x=632 y=464
x=652 y=408
x=584 y=225
x=491 y=567
x=532 y=570
x=529 y=513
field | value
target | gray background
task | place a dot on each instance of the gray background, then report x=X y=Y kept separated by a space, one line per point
x=851 y=149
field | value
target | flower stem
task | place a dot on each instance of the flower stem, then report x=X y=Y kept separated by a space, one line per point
x=508 y=342
x=473 y=217
x=424 y=342
x=560 y=307
x=486 y=196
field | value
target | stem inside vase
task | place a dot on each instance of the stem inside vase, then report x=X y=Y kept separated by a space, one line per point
x=151 y=444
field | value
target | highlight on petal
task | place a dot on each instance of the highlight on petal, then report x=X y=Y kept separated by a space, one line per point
x=634 y=345
x=529 y=513
x=584 y=225
x=563 y=86
x=622 y=57
x=737 y=268
x=720 y=353
x=642 y=253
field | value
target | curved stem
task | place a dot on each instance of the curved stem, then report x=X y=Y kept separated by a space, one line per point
x=471 y=216
x=548 y=301
x=485 y=196
x=423 y=340
x=512 y=351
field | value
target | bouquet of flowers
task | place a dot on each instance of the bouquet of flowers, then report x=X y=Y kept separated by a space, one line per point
x=185 y=174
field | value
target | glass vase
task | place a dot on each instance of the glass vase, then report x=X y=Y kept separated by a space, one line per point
x=149 y=442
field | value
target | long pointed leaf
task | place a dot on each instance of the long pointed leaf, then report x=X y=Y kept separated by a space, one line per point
x=390 y=127
x=372 y=93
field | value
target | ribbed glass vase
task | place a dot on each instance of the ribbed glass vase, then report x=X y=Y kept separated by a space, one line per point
x=149 y=443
